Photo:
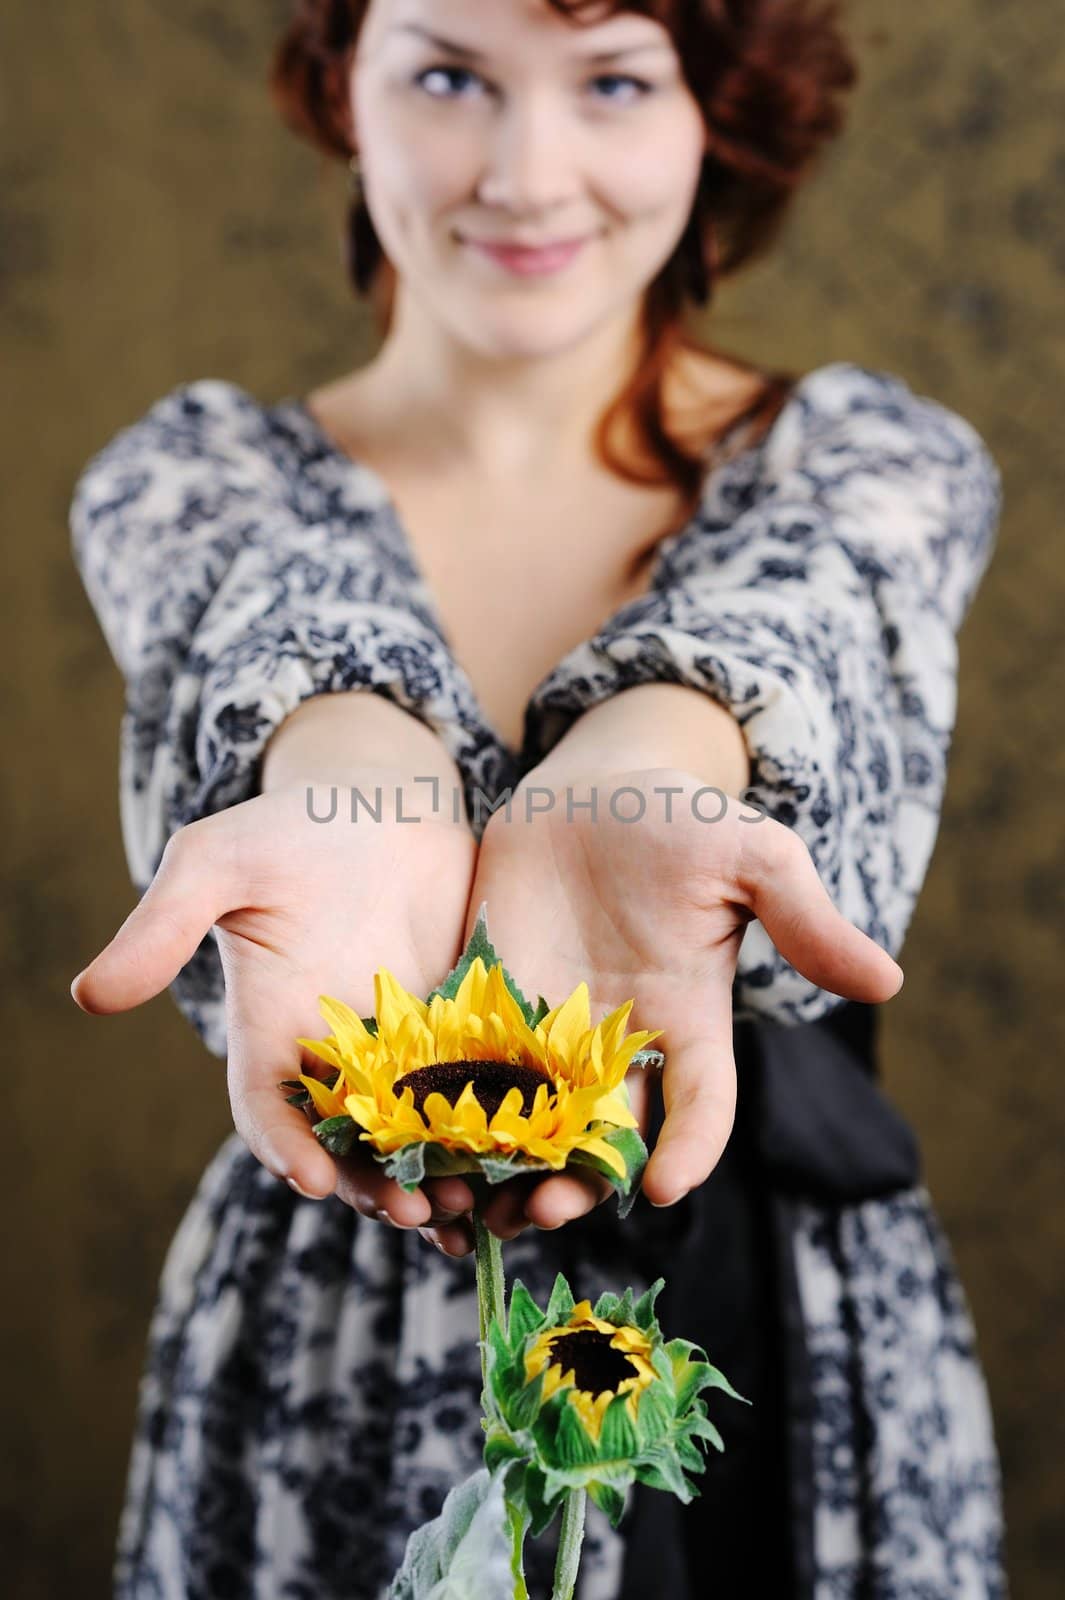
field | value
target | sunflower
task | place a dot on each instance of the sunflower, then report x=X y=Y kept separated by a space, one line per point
x=473 y=1079
x=592 y=1398
x=593 y=1361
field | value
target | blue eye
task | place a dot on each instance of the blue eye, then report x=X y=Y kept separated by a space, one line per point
x=443 y=72
x=642 y=87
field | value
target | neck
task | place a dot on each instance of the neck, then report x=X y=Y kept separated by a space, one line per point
x=498 y=414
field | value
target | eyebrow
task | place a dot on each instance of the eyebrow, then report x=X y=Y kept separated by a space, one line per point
x=471 y=54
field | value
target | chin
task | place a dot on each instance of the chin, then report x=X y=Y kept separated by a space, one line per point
x=533 y=329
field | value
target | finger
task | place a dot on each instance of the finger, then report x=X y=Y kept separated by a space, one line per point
x=451 y=1239
x=264 y=1023
x=363 y=1184
x=563 y=1199
x=795 y=909
x=699 y=1090
x=190 y=891
x=504 y=1211
x=449 y=1197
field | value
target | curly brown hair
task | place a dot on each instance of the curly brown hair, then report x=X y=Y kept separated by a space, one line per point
x=769 y=76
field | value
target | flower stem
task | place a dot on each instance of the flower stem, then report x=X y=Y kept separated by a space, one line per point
x=569 y=1544
x=489 y=1260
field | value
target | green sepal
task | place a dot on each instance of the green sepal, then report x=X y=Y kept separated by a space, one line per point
x=500 y=1448
x=561 y=1304
x=525 y=1404
x=662 y=1470
x=655 y=1413
x=648 y=1058
x=618 y=1439
x=499 y=1169
x=701 y=1427
x=302 y=1096
x=542 y=1008
x=644 y=1309
x=633 y=1152
x=688 y=1453
x=479 y=944
x=524 y=1316
x=540 y=1509
x=370 y=1024
x=609 y=1500
x=337 y=1134
x=572 y=1445
x=407 y=1166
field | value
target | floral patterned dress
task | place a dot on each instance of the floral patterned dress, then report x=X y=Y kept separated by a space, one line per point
x=311 y=1383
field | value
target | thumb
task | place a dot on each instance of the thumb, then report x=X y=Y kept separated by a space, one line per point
x=795 y=909
x=190 y=891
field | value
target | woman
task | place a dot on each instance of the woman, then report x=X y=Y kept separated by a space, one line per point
x=719 y=582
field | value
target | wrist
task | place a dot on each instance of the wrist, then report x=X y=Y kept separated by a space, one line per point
x=652 y=727
x=344 y=737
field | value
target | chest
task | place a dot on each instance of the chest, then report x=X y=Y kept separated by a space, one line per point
x=519 y=577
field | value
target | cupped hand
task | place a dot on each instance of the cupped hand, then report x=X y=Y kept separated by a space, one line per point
x=300 y=908
x=654 y=910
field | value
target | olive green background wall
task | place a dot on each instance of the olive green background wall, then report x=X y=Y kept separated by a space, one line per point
x=157 y=224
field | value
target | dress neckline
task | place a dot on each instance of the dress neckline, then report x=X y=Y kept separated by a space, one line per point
x=717 y=460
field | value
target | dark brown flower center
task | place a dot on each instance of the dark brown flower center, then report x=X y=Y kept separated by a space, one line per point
x=596 y=1364
x=491 y=1080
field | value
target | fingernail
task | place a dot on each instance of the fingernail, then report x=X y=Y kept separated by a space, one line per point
x=432 y=1237
x=294 y=1185
x=76 y=981
x=381 y=1215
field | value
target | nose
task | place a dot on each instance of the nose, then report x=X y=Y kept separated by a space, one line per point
x=530 y=165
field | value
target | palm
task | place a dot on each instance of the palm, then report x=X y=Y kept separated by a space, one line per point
x=301 y=908
x=654 y=911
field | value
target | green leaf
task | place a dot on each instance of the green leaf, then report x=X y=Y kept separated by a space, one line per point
x=648 y=1058
x=407 y=1166
x=525 y=1316
x=370 y=1024
x=337 y=1134
x=465 y=1552
x=301 y=1098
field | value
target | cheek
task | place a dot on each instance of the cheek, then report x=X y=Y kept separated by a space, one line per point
x=655 y=169
x=422 y=163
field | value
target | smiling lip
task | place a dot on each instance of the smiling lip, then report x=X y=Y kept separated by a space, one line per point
x=527 y=261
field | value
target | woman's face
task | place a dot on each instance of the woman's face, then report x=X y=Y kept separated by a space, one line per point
x=523 y=129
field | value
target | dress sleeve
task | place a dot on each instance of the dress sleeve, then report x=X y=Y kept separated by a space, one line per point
x=225 y=606
x=821 y=603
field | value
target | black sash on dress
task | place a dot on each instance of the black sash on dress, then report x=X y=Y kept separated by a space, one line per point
x=811 y=1124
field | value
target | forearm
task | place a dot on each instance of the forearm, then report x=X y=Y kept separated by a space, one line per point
x=334 y=738
x=655 y=725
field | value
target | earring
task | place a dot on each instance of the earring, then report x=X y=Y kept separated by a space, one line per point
x=355 y=175
x=361 y=247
